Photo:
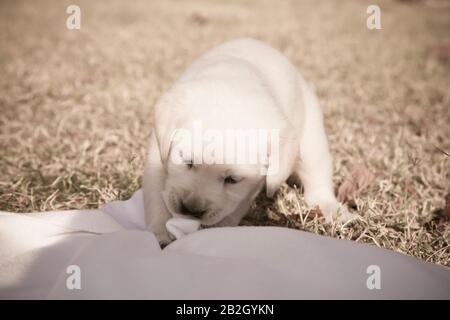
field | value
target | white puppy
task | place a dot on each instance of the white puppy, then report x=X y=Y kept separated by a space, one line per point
x=241 y=85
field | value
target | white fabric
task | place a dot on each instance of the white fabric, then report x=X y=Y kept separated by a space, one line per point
x=130 y=214
x=118 y=258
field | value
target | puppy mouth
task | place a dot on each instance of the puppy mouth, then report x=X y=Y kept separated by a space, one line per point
x=172 y=202
x=176 y=207
x=184 y=209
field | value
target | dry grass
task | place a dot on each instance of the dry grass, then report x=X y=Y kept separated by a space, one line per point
x=75 y=105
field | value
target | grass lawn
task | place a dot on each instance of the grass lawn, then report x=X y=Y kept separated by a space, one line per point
x=75 y=105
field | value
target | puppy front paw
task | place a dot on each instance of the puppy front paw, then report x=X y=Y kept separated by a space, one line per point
x=336 y=212
x=164 y=237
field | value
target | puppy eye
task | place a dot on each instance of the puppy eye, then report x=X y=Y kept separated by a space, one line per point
x=189 y=163
x=231 y=180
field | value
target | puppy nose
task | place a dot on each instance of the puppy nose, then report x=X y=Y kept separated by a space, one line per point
x=190 y=210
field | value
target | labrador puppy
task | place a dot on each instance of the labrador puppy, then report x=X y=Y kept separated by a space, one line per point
x=239 y=89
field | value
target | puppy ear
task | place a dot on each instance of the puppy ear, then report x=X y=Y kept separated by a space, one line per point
x=166 y=122
x=283 y=155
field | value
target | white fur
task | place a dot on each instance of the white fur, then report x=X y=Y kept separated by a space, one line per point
x=243 y=83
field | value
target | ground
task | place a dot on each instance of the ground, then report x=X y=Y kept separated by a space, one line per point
x=75 y=105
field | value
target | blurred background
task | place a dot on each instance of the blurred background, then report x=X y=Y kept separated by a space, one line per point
x=75 y=105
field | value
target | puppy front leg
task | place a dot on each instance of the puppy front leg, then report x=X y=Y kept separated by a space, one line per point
x=315 y=168
x=156 y=212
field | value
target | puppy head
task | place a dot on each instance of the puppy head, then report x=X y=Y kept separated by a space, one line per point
x=207 y=192
x=211 y=191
